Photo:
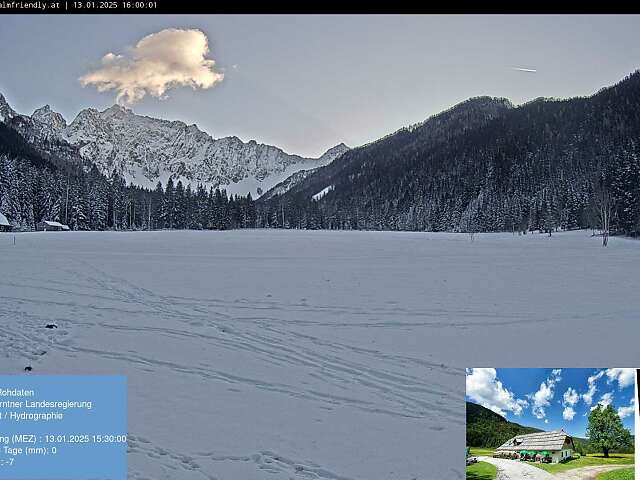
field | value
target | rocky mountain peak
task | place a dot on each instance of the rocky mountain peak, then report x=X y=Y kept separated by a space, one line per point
x=117 y=110
x=42 y=110
x=6 y=112
x=333 y=153
x=145 y=149
x=49 y=119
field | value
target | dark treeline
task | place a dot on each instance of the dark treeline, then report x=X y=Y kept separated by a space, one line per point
x=35 y=188
x=480 y=166
x=484 y=166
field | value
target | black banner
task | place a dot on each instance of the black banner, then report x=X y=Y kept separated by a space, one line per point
x=290 y=7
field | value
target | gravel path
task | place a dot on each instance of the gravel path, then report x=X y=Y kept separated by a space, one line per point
x=587 y=473
x=514 y=470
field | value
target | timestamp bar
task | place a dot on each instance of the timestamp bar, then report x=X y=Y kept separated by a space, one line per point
x=82 y=6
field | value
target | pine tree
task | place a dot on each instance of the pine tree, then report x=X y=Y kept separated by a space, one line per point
x=169 y=205
x=179 y=207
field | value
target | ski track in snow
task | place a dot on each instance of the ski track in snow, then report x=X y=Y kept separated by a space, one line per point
x=320 y=355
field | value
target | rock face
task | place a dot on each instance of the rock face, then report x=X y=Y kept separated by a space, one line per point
x=146 y=150
x=52 y=124
x=6 y=112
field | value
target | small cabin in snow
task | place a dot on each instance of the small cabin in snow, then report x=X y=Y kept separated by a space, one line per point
x=5 y=226
x=49 y=226
x=556 y=446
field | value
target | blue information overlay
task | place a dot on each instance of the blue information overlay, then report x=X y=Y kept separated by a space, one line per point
x=63 y=427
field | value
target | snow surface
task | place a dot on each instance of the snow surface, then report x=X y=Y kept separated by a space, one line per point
x=249 y=184
x=312 y=355
x=323 y=192
x=288 y=183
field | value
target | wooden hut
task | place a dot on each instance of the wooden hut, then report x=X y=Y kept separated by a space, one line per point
x=556 y=446
x=49 y=226
x=5 y=226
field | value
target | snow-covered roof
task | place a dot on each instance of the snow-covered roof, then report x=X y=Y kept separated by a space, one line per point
x=55 y=224
x=3 y=221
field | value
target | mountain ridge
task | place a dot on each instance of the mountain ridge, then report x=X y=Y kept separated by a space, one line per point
x=145 y=149
x=483 y=165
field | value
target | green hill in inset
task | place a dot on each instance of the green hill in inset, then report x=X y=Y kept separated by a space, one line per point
x=487 y=429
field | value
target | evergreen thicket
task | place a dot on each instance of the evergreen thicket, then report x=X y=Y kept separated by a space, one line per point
x=35 y=188
x=484 y=166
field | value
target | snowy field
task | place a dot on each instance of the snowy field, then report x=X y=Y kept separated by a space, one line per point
x=309 y=355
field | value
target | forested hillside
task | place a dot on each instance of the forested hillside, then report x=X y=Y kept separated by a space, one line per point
x=483 y=166
x=488 y=429
x=35 y=186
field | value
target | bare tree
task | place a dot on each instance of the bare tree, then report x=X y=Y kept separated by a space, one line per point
x=604 y=206
x=469 y=221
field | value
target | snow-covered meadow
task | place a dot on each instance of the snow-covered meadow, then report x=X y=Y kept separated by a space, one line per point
x=301 y=354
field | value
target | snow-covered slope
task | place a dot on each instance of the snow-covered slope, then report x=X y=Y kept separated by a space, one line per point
x=333 y=153
x=292 y=180
x=309 y=355
x=146 y=150
x=298 y=176
x=288 y=183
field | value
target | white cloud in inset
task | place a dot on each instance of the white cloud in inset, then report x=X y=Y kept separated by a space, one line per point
x=626 y=411
x=570 y=397
x=568 y=413
x=587 y=397
x=542 y=398
x=624 y=376
x=484 y=388
x=160 y=61
x=605 y=400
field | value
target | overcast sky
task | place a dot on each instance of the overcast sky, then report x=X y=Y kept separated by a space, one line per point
x=306 y=83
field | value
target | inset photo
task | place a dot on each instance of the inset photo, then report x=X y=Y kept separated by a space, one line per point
x=550 y=423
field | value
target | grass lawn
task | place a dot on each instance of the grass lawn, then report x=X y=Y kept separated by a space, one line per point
x=622 y=474
x=588 y=460
x=481 y=471
x=477 y=451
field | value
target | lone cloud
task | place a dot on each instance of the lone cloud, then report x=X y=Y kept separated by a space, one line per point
x=160 y=61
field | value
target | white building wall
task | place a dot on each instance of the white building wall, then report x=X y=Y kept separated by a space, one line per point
x=560 y=455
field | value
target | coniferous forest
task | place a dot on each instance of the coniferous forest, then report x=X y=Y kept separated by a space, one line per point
x=485 y=166
x=482 y=165
x=35 y=187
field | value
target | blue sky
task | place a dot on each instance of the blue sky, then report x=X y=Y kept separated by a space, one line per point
x=551 y=399
x=307 y=83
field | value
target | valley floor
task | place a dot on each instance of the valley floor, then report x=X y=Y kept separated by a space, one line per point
x=296 y=354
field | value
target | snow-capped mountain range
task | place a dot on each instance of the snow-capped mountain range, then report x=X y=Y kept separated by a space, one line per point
x=146 y=150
